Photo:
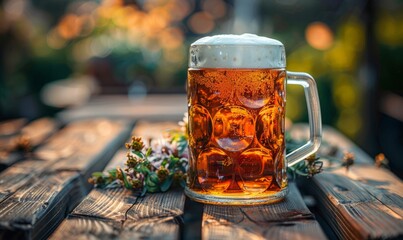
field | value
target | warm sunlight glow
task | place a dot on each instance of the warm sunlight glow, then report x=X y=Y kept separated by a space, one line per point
x=319 y=36
x=201 y=22
x=216 y=8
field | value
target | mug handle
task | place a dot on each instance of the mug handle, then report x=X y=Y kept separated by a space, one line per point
x=315 y=122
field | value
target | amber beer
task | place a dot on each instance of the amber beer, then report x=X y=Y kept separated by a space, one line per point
x=236 y=130
x=236 y=105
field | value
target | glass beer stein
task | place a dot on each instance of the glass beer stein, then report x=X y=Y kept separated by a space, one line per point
x=236 y=104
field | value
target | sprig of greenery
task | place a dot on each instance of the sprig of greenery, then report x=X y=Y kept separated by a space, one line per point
x=149 y=169
x=308 y=168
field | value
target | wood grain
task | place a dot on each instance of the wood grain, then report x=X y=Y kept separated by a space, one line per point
x=39 y=130
x=285 y=218
x=36 y=208
x=354 y=212
x=158 y=205
x=330 y=137
x=86 y=146
x=108 y=204
x=364 y=202
x=155 y=216
x=101 y=213
x=298 y=230
x=34 y=133
x=86 y=136
x=36 y=195
x=87 y=228
x=9 y=158
x=18 y=175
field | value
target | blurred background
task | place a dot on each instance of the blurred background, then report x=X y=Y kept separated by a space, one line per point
x=58 y=54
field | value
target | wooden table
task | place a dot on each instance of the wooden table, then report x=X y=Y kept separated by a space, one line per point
x=45 y=194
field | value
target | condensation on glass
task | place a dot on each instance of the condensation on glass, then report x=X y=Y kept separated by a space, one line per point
x=236 y=104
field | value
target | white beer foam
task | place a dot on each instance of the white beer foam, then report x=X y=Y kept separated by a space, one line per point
x=237 y=51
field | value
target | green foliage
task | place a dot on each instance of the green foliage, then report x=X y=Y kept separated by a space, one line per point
x=142 y=173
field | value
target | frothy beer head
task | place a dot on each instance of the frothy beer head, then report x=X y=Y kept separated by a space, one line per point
x=246 y=51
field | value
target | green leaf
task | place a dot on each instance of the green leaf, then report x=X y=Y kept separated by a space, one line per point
x=112 y=172
x=143 y=192
x=126 y=183
x=144 y=169
x=149 y=151
x=154 y=178
x=174 y=161
x=167 y=183
x=139 y=154
x=153 y=189
x=97 y=174
x=150 y=183
x=164 y=162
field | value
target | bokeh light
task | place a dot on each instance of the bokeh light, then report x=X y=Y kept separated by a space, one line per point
x=145 y=43
x=201 y=23
x=389 y=28
x=216 y=8
x=319 y=35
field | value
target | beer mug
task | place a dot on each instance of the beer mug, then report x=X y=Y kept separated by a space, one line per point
x=236 y=104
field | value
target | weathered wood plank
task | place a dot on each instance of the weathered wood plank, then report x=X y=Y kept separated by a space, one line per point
x=359 y=214
x=32 y=134
x=364 y=202
x=29 y=201
x=108 y=204
x=111 y=204
x=83 y=160
x=160 y=228
x=153 y=130
x=155 y=216
x=298 y=230
x=85 y=136
x=302 y=229
x=332 y=137
x=87 y=228
x=37 y=208
x=381 y=184
x=11 y=127
x=9 y=158
x=158 y=107
x=285 y=218
x=86 y=146
x=18 y=175
x=39 y=130
x=158 y=205
x=101 y=213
